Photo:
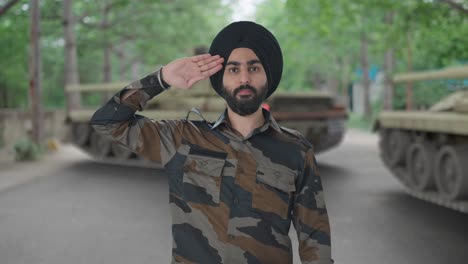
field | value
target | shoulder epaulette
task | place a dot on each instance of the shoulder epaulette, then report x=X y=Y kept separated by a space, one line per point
x=296 y=134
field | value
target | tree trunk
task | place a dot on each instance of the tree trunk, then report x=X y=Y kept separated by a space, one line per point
x=136 y=72
x=122 y=68
x=107 y=62
x=71 y=61
x=345 y=79
x=122 y=65
x=409 y=87
x=389 y=65
x=7 y=102
x=7 y=6
x=3 y=95
x=35 y=73
x=317 y=81
x=365 y=75
x=332 y=85
x=107 y=49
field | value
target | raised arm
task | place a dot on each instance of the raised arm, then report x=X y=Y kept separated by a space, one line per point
x=310 y=217
x=154 y=140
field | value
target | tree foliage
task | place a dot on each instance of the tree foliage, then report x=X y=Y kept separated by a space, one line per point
x=14 y=27
x=319 y=36
x=146 y=32
x=320 y=39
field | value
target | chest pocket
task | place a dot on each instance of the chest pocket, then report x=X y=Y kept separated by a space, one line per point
x=202 y=179
x=273 y=190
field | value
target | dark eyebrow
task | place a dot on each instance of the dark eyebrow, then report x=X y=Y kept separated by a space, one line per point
x=236 y=63
x=252 y=62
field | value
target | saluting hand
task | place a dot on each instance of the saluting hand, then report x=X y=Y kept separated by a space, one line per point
x=184 y=73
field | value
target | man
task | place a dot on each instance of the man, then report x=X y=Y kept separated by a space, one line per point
x=235 y=184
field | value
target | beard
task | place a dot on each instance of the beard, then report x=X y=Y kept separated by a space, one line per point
x=245 y=105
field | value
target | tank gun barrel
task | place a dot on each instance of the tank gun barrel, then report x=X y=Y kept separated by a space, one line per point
x=96 y=87
x=460 y=72
x=199 y=90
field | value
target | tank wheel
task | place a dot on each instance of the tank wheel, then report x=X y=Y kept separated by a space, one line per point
x=100 y=145
x=394 y=144
x=120 y=151
x=80 y=132
x=451 y=172
x=419 y=161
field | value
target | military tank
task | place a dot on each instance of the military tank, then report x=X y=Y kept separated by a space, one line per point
x=428 y=150
x=316 y=115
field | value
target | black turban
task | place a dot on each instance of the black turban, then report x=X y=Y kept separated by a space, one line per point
x=246 y=34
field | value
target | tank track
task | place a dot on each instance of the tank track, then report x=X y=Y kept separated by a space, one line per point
x=335 y=132
x=395 y=158
x=431 y=196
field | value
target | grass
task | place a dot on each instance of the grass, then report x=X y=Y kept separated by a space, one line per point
x=26 y=150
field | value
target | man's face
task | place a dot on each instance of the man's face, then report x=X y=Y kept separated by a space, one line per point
x=244 y=82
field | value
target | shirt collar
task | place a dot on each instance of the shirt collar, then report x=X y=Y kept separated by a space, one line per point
x=270 y=121
x=222 y=119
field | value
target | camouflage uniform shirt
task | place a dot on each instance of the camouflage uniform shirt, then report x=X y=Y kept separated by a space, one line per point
x=232 y=198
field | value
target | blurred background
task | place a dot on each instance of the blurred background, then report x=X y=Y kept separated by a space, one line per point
x=378 y=86
x=343 y=47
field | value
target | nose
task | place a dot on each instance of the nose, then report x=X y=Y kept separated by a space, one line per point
x=244 y=77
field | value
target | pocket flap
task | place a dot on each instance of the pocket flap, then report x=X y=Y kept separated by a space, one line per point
x=282 y=179
x=204 y=165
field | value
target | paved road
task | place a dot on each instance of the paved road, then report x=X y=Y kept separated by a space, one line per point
x=68 y=209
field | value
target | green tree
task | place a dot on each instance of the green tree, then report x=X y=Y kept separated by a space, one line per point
x=325 y=40
x=134 y=34
x=14 y=26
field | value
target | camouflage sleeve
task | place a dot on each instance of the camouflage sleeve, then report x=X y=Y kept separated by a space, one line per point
x=310 y=217
x=154 y=140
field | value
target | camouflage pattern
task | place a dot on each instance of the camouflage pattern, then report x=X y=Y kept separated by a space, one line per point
x=232 y=198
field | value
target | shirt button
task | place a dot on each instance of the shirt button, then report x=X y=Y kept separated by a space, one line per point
x=236 y=200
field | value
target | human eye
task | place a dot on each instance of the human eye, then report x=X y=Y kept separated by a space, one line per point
x=254 y=68
x=233 y=69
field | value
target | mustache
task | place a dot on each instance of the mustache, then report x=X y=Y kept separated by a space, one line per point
x=245 y=87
